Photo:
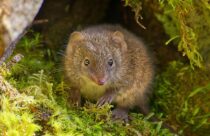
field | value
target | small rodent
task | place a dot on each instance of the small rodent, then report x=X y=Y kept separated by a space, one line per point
x=109 y=64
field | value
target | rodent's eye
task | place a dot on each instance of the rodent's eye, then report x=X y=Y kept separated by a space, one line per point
x=110 y=62
x=87 y=62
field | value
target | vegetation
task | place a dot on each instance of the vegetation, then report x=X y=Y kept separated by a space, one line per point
x=186 y=22
x=36 y=101
x=182 y=96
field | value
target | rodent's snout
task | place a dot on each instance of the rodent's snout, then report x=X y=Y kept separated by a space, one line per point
x=100 y=80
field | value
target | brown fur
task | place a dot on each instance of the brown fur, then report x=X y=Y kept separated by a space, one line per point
x=128 y=81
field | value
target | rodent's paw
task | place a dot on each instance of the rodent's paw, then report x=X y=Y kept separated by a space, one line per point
x=107 y=98
x=120 y=114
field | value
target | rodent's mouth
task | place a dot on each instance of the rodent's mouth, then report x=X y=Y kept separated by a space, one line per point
x=99 y=81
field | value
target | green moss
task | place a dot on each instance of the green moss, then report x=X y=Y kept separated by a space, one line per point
x=184 y=21
x=183 y=95
x=16 y=118
x=13 y=122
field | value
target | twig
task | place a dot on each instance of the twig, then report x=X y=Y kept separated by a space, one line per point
x=40 y=21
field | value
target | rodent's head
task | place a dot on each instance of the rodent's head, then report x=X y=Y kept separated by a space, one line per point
x=97 y=57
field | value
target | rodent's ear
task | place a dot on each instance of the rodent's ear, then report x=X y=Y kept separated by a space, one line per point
x=73 y=39
x=118 y=37
x=76 y=36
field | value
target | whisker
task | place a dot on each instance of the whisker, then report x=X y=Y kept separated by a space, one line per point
x=61 y=53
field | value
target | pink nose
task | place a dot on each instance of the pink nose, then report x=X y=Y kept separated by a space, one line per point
x=101 y=81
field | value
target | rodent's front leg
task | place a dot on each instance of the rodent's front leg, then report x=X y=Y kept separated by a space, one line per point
x=106 y=98
x=75 y=97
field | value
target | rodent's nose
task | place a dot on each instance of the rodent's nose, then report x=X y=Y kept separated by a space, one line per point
x=101 y=81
